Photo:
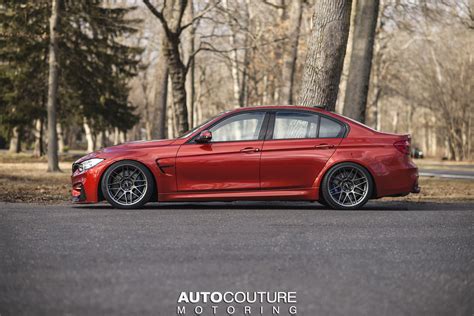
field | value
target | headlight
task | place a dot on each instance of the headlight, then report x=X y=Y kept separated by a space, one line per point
x=85 y=165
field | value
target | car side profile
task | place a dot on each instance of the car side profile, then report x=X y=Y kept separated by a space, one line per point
x=255 y=153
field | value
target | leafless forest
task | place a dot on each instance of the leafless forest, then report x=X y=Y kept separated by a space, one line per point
x=407 y=68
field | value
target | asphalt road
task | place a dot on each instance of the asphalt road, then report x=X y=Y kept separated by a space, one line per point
x=447 y=173
x=392 y=258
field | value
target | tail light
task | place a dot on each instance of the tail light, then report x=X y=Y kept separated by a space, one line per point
x=403 y=146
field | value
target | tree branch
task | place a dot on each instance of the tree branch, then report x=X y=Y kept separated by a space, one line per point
x=182 y=8
x=276 y=6
x=208 y=8
x=158 y=14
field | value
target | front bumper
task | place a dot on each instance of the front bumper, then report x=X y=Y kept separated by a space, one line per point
x=85 y=185
x=78 y=193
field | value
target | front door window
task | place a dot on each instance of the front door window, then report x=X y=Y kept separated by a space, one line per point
x=240 y=127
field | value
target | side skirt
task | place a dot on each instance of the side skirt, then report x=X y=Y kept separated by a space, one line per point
x=307 y=194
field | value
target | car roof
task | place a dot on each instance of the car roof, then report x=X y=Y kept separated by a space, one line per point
x=280 y=107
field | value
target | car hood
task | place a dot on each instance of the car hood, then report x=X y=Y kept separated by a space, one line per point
x=129 y=146
x=139 y=144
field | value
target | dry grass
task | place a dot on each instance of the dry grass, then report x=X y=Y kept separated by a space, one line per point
x=26 y=157
x=28 y=181
x=442 y=189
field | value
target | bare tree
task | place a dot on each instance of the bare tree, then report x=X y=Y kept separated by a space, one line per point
x=422 y=66
x=361 y=59
x=191 y=90
x=53 y=164
x=289 y=63
x=15 y=141
x=38 y=150
x=173 y=28
x=238 y=20
x=161 y=93
x=89 y=135
x=325 y=57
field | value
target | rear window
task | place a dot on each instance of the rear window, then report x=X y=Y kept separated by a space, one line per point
x=329 y=129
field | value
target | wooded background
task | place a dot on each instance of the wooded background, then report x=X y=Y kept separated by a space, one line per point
x=105 y=72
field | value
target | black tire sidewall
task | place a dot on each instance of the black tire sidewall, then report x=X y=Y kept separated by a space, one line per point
x=149 y=177
x=325 y=186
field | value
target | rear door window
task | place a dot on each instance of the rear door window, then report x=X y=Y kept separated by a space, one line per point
x=294 y=125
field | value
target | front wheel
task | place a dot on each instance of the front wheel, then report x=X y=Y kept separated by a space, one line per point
x=347 y=186
x=127 y=184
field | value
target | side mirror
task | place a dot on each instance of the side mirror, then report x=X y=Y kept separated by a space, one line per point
x=204 y=137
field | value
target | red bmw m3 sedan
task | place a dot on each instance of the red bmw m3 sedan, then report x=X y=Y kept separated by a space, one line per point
x=258 y=153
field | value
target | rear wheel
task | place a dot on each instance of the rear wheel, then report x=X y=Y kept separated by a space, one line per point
x=347 y=186
x=127 y=184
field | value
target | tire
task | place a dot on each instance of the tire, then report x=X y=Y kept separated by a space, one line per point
x=347 y=186
x=323 y=202
x=127 y=184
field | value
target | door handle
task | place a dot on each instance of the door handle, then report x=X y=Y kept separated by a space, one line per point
x=324 y=146
x=248 y=150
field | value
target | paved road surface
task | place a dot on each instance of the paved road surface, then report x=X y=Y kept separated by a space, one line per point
x=390 y=259
x=447 y=173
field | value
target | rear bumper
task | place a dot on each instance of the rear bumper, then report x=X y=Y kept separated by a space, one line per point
x=416 y=188
x=398 y=181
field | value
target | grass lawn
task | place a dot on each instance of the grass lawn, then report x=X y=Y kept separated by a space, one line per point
x=24 y=179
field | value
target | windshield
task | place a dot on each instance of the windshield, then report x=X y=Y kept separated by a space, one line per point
x=188 y=133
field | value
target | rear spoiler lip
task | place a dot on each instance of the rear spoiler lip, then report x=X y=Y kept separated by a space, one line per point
x=400 y=136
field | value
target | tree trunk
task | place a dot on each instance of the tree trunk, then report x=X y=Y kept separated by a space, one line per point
x=326 y=50
x=116 y=136
x=171 y=124
x=239 y=80
x=289 y=64
x=100 y=140
x=161 y=92
x=123 y=137
x=234 y=58
x=148 y=129
x=15 y=141
x=89 y=137
x=53 y=164
x=234 y=64
x=177 y=74
x=192 y=67
x=377 y=108
x=243 y=91
x=149 y=112
x=60 y=138
x=162 y=98
x=361 y=59
x=38 y=150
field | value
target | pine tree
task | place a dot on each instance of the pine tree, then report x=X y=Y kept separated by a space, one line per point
x=98 y=65
x=23 y=67
x=94 y=64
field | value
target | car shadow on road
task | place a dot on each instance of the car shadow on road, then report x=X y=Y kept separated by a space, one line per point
x=258 y=205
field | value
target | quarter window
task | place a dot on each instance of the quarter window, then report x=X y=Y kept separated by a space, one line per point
x=240 y=127
x=329 y=129
x=290 y=125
